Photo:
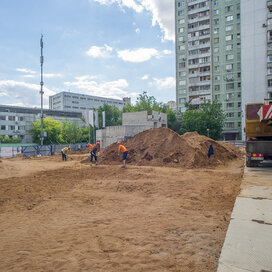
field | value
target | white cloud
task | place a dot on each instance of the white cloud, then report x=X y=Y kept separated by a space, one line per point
x=163 y=13
x=22 y=93
x=113 y=89
x=145 y=77
x=29 y=76
x=52 y=75
x=24 y=70
x=164 y=83
x=99 y=52
x=138 y=55
x=123 y=3
x=167 y=52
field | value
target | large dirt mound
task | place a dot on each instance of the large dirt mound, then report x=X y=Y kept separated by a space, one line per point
x=162 y=146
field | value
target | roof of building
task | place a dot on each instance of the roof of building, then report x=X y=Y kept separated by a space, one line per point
x=28 y=110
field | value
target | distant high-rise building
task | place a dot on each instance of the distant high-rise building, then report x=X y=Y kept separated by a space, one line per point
x=256 y=23
x=208 y=54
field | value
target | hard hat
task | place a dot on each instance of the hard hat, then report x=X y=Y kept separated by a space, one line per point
x=98 y=142
x=118 y=143
x=69 y=147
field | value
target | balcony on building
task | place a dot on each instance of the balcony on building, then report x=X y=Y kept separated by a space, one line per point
x=197 y=10
x=195 y=2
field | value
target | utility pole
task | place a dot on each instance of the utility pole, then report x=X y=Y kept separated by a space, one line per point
x=41 y=92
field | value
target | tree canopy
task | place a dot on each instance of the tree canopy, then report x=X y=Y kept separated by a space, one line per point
x=207 y=120
x=58 y=132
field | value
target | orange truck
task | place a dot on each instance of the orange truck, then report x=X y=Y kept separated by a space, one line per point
x=258 y=130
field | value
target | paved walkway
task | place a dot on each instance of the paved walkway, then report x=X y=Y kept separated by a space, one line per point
x=248 y=242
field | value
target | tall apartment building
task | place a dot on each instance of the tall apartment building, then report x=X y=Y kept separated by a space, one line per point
x=256 y=61
x=80 y=102
x=208 y=53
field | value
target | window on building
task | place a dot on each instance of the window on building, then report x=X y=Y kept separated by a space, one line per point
x=216 y=40
x=21 y=127
x=11 y=127
x=238 y=26
x=239 y=124
x=229 y=67
x=269 y=82
x=238 y=6
x=216 y=59
x=180 y=12
x=239 y=55
x=239 y=84
x=269 y=71
x=181 y=29
x=239 y=114
x=217 y=78
x=230 y=124
x=181 y=4
x=229 y=18
x=238 y=65
x=216 y=11
x=239 y=75
x=2 y=117
x=230 y=115
x=239 y=94
x=269 y=58
x=182 y=65
x=238 y=35
x=229 y=86
x=239 y=104
x=230 y=105
x=181 y=21
x=229 y=57
x=11 y=118
x=3 y=127
x=229 y=9
x=182 y=100
x=229 y=27
x=215 y=2
x=229 y=47
x=182 y=82
x=216 y=31
x=217 y=68
x=181 y=47
x=216 y=21
x=238 y=45
x=230 y=96
x=182 y=91
x=21 y=118
x=238 y=16
x=216 y=50
x=181 y=39
x=217 y=97
x=229 y=37
x=217 y=87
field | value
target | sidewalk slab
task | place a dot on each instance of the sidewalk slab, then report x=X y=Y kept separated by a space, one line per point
x=255 y=210
x=248 y=246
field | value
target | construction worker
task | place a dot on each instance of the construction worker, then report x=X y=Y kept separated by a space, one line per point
x=64 y=152
x=124 y=151
x=94 y=150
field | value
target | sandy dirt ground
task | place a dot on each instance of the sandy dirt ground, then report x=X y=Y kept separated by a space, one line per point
x=68 y=216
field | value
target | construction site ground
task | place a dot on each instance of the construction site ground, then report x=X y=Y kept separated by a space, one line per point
x=68 y=216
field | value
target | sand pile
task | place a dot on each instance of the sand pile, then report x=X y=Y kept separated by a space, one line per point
x=164 y=147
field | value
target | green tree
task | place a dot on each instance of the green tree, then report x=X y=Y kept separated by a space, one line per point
x=53 y=128
x=208 y=116
x=112 y=113
x=5 y=139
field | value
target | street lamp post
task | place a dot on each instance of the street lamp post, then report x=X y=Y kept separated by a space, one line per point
x=41 y=92
x=208 y=132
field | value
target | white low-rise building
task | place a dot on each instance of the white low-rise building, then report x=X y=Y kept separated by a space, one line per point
x=132 y=123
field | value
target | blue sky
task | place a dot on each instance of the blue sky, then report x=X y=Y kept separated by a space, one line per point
x=109 y=48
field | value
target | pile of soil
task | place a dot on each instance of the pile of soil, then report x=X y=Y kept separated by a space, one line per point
x=164 y=147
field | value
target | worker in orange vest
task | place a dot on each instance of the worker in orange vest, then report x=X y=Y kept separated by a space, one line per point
x=124 y=151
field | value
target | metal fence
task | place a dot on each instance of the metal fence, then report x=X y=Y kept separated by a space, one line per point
x=37 y=150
